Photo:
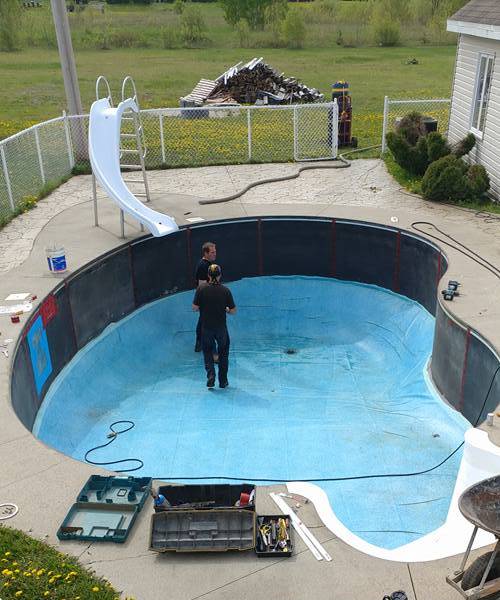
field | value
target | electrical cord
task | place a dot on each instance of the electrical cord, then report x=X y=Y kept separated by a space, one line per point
x=462 y=248
x=112 y=437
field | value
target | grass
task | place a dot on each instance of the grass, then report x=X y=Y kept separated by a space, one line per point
x=33 y=90
x=33 y=570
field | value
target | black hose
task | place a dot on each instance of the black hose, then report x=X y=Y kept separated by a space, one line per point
x=113 y=435
x=345 y=164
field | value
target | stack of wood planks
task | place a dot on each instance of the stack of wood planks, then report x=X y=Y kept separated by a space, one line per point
x=255 y=82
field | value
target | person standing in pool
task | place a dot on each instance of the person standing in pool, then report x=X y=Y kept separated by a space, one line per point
x=214 y=301
x=208 y=256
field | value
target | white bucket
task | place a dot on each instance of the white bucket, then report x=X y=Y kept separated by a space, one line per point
x=56 y=257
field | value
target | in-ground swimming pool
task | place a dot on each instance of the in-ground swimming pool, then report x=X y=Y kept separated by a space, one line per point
x=327 y=380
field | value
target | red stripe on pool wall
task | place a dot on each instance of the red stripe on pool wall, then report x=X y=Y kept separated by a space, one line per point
x=438 y=274
x=395 y=280
x=260 y=262
x=464 y=368
x=189 y=256
x=333 y=266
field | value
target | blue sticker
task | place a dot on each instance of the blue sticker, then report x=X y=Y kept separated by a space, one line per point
x=39 y=352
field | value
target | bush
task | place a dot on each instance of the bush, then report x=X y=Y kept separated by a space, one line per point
x=437 y=146
x=294 y=30
x=179 y=6
x=387 y=33
x=10 y=24
x=464 y=146
x=243 y=31
x=411 y=127
x=412 y=158
x=449 y=179
x=193 y=25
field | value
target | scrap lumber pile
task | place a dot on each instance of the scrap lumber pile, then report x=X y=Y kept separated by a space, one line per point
x=252 y=83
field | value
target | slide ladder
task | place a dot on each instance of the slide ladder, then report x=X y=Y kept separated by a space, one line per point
x=112 y=149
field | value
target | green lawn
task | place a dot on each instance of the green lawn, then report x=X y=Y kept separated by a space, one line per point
x=32 y=88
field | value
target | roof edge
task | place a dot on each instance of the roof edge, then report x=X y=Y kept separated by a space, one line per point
x=482 y=30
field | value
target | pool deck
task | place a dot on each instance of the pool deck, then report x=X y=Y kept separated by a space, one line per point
x=29 y=470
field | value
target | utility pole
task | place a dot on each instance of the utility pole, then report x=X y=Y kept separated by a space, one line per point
x=67 y=57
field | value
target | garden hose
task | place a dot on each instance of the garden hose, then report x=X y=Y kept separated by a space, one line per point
x=345 y=164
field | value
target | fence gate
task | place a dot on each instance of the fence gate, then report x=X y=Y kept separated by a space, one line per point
x=315 y=131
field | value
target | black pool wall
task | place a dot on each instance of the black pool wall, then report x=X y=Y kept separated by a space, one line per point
x=117 y=283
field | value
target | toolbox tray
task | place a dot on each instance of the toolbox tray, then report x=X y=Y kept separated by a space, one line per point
x=205 y=496
x=116 y=490
x=216 y=530
x=98 y=522
x=106 y=509
x=265 y=520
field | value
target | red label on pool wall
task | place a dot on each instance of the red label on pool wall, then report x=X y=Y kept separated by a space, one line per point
x=48 y=309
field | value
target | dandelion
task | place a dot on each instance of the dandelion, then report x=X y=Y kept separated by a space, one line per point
x=52 y=579
x=95 y=589
x=18 y=593
x=8 y=553
x=46 y=593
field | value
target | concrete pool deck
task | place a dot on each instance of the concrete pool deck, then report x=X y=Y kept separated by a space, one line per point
x=29 y=469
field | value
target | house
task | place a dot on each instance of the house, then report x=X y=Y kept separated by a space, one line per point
x=475 y=103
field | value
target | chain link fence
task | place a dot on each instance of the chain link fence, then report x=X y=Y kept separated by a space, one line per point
x=173 y=137
x=438 y=109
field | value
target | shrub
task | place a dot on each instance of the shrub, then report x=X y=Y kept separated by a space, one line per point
x=411 y=127
x=437 y=146
x=243 y=31
x=294 y=30
x=179 y=6
x=387 y=33
x=193 y=25
x=464 y=146
x=412 y=158
x=10 y=24
x=449 y=179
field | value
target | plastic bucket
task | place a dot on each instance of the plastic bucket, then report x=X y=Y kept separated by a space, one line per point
x=56 y=257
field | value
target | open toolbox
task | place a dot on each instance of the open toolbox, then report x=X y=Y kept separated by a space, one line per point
x=106 y=509
x=216 y=530
x=207 y=496
x=273 y=536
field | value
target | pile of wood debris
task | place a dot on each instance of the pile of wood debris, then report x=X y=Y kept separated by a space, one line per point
x=252 y=83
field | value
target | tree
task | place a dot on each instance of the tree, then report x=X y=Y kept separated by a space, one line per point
x=254 y=11
x=10 y=24
x=294 y=30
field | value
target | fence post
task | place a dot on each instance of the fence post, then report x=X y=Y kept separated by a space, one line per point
x=249 y=128
x=71 y=155
x=7 y=178
x=295 y=133
x=162 y=140
x=384 y=124
x=39 y=152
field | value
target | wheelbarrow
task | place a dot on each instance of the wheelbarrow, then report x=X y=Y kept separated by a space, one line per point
x=480 y=504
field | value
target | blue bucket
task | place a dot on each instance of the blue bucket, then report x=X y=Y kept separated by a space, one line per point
x=56 y=258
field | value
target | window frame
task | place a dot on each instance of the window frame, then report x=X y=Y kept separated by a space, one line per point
x=490 y=62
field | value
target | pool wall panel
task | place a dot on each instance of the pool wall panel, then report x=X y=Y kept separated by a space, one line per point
x=24 y=397
x=365 y=254
x=100 y=295
x=463 y=366
x=160 y=267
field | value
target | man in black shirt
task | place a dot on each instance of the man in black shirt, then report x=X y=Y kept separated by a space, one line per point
x=214 y=301
x=208 y=256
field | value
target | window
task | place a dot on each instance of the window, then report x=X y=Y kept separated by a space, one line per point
x=483 y=83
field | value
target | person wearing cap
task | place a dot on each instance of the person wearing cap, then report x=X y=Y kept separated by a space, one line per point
x=214 y=301
x=208 y=256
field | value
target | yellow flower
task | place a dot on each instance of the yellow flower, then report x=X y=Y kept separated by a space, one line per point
x=18 y=593
x=17 y=571
x=14 y=564
x=27 y=574
x=6 y=584
x=52 y=579
x=8 y=553
x=50 y=573
x=95 y=589
x=40 y=572
x=46 y=593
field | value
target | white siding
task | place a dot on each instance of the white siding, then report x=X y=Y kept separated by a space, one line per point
x=486 y=151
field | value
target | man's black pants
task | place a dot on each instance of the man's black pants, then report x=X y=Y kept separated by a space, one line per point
x=209 y=337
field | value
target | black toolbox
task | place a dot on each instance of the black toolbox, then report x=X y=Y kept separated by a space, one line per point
x=208 y=496
x=273 y=535
x=216 y=530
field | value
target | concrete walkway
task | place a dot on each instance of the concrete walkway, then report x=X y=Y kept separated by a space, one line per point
x=29 y=469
